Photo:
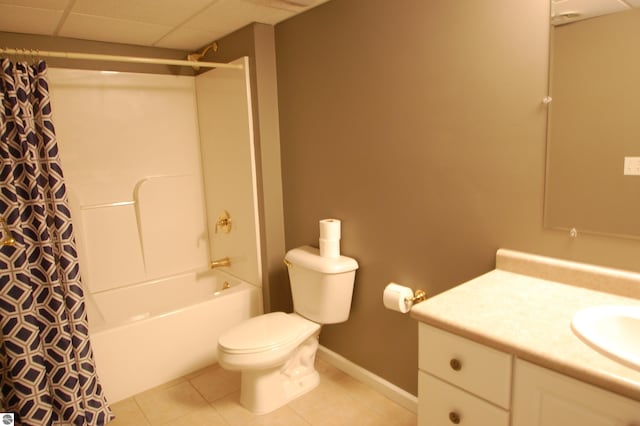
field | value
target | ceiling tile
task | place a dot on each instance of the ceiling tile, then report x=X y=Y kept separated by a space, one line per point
x=111 y=30
x=587 y=8
x=177 y=24
x=162 y=12
x=29 y=20
x=39 y=4
x=188 y=39
x=296 y=6
x=229 y=15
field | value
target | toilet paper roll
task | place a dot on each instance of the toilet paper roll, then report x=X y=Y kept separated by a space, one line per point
x=330 y=229
x=329 y=248
x=397 y=298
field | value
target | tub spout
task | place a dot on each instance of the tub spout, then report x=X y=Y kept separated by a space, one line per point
x=220 y=262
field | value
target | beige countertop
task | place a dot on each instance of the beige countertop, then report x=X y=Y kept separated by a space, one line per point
x=513 y=310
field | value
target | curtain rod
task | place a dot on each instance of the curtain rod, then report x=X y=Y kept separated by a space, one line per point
x=117 y=58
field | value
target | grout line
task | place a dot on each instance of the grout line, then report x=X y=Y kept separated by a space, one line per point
x=63 y=19
x=144 y=415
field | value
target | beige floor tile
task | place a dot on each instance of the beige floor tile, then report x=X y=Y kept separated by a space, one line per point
x=201 y=371
x=215 y=383
x=339 y=409
x=163 y=404
x=326 y=403
x=207 y=416
x=328 y=371
x=236 y=415
x=377 y=402
x=128 y=413
x=338 y=400
x=342 y=400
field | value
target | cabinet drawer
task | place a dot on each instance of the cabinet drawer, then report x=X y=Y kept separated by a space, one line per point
x=483 y=371
x=441 y=404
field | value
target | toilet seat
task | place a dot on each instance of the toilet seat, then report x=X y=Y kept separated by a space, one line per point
x=271 y=336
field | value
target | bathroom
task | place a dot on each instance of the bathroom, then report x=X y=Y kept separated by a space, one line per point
x=421 y=127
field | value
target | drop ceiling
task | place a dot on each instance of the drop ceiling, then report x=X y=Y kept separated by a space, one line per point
x=565 y=11
x=191 y=24
x=175 y=24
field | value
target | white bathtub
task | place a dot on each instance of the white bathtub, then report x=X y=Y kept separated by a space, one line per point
x=151 y=333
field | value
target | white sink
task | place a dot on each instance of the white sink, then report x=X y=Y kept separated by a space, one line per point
x=612 y=330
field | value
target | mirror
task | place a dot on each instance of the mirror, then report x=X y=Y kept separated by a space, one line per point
x=593 y=140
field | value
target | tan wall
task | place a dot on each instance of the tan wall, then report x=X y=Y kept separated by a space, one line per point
x=420 y=125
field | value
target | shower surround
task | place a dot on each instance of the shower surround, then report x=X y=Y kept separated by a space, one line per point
x=144 y=209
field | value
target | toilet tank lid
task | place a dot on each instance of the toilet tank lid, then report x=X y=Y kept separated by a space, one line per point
x=309 y=257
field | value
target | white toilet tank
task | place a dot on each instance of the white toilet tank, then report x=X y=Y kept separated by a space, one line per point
x=321 y=287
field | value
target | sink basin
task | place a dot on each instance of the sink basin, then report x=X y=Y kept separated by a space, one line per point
x=612 y=330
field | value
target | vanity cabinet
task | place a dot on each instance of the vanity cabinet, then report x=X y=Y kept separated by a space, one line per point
x=542 y=397
x=461 y=381
x=524 y=307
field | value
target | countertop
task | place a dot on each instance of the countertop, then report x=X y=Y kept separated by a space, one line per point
x=524 y=307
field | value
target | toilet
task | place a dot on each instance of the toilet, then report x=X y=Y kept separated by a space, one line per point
x=275 y=352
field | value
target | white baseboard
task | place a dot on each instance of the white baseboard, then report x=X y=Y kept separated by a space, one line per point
x=391 y=391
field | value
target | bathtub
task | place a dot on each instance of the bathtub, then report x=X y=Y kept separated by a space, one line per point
x=148 y=334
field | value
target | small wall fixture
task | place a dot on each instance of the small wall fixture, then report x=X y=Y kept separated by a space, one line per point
x=399 y=298
x=196 y=56
x=419 y=296
x=219 y=263
x=223 y=223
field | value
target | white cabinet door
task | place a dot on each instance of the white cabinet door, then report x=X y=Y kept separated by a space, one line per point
x=545 y=398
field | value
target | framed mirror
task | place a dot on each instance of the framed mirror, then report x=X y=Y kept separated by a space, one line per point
x=593 y=139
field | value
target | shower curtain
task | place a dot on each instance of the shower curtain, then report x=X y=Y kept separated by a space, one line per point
x=47 y=372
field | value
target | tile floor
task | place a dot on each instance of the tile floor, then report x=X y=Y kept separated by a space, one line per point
x=210 y=397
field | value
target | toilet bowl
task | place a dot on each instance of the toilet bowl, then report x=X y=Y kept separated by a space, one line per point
x=264 y=341
x=275 y=352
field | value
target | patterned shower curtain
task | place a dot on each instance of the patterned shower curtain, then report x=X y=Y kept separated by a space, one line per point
x=47 y=372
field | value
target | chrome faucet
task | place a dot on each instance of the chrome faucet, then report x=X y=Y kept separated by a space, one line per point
x=220 y=262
